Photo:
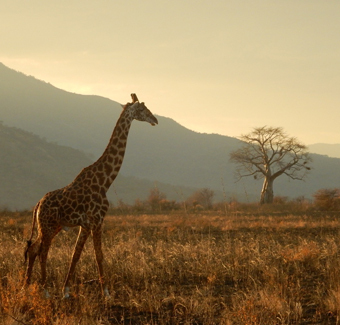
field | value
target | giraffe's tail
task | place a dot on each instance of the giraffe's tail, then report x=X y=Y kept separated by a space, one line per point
x=29 y=242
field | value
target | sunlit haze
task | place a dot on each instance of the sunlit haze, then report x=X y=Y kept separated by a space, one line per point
x=213 y=66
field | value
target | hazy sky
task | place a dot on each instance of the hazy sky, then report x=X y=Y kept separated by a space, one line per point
x=213 y=66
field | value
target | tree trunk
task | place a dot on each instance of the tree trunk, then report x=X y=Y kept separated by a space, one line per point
x=267 y=193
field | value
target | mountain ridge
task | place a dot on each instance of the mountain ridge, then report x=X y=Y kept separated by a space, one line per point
x=329 y=149
x=168 y=153
x=32 y=167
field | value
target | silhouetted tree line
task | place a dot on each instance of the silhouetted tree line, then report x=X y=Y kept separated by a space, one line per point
x=203 y=200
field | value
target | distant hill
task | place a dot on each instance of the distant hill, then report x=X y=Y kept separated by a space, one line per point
x=31 y=167
x=68 y=119
x=167 y=154
x=331 y=150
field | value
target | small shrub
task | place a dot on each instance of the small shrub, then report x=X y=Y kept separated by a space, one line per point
x=327 y=199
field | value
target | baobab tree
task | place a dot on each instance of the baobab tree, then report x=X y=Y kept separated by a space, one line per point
x=268 y=153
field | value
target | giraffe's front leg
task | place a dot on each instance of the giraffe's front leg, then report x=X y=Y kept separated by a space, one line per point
x=82 y=237
x=97 y=243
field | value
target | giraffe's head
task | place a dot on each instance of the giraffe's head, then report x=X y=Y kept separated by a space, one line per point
x=140 y=112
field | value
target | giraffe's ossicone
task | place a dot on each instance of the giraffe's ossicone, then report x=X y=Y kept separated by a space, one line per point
x=83 y=203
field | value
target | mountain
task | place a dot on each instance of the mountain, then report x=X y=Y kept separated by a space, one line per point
x=167 y=154
x=331 y=150
x=59 y=116
x=31 y=167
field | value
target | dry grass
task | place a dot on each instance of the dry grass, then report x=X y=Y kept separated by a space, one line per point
x=184 y=269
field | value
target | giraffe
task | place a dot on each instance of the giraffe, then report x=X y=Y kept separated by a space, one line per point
x=83 y=202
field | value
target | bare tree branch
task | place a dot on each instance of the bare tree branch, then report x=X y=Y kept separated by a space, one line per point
x=269 y=152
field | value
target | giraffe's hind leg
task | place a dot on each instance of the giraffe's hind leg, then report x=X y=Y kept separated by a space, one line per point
x=44 y=248
x=41 y=246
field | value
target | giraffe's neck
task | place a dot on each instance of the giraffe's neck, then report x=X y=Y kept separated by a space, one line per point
x=107 y=167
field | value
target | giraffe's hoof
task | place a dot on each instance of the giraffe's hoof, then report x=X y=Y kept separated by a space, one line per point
x=107 y=294
x=66 y=293
x=47 y=294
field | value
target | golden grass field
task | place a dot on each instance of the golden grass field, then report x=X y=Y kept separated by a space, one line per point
x=250 y=267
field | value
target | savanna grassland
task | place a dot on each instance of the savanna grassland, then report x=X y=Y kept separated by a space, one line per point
x=248 y=267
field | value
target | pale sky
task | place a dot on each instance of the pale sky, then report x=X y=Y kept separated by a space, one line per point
x=213 y=66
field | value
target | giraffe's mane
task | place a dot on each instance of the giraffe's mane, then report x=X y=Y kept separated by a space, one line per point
x=127 y=105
